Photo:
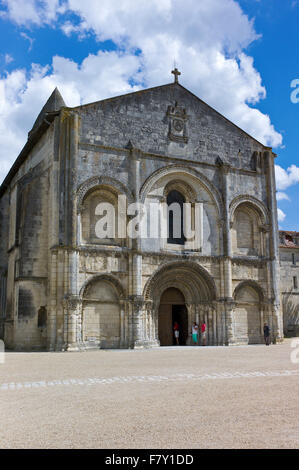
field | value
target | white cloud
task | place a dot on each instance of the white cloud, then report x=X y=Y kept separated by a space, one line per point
x=28 y=38
x=31 y=11
x=207 y=39
x=8 y=58
x=286 y=178
x=281 y=215
x=282 y=196
x=22 y=97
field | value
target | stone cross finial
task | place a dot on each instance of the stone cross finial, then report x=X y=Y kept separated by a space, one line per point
x=176 y=74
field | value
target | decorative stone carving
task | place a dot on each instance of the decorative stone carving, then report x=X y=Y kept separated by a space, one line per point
x=177 y=123
x=182 y=187
x=71 y=302
x=137 y=302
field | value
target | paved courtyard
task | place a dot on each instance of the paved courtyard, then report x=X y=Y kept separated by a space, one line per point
x=214 y=397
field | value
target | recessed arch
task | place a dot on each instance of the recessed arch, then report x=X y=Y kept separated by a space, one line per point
x=253 y=285
x=181 y=186
x=98 y=182
x=180 y=172
x=248 y=313
x=195 y=283
x=252 y=202
x=101 y=312
x=103 y=277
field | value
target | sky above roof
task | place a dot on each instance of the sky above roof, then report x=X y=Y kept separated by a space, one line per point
x=241 y=57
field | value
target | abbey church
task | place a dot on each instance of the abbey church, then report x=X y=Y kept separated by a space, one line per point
x=63 y=287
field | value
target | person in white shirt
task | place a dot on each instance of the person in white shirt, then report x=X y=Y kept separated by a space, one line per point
x=195 y=330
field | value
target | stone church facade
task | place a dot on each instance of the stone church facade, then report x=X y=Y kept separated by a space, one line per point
x=64 y=288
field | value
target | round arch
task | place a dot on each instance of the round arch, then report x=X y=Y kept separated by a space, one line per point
x=101 y=312
x=98 y=182
x=252 y=202
x=105 y=278
x=254 y=285
x=248 y=312
x=179 y=171
x=195 y=283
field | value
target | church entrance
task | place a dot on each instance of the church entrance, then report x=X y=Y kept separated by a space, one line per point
x=172 y=309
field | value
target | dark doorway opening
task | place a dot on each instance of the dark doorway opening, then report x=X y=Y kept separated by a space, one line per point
x=179 y=315
x=172 y=309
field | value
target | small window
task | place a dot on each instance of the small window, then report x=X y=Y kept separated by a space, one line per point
x=42 y=318
x=295 y=282
x=293 y=258
x=175 y=202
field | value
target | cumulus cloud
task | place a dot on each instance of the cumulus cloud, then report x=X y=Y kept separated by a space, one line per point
x=31 y=11
x=286 y=178
x=22 y=96
x=207 y=39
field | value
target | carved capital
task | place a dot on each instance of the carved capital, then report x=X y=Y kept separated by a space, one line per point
x=71 y=302
x=137 y=302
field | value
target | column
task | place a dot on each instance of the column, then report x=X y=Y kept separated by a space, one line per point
x=191 y=316
x=274 y=250
x=72 y=312
x=229 y=312
x=122 y=325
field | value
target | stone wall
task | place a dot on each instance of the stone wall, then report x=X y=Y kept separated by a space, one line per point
x=289 y=269
x=27 y=258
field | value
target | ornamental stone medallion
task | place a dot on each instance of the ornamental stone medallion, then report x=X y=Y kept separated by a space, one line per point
x=177 y=123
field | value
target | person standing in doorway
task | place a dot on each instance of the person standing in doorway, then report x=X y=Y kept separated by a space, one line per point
x=266 y=334
x=176 y=330
x=195 y=331
x=203 y=333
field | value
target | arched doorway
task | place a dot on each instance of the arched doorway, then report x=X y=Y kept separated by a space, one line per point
x=172 y=309
x=248 y=316
x=101 y=315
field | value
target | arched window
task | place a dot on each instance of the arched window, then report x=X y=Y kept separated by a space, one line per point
x=42 y=318
x=175 y=203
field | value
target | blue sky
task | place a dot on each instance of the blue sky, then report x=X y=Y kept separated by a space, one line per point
x=239 y=56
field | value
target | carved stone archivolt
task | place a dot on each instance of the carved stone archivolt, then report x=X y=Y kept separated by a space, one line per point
x=98 y=182
x=254 y=285
x=186 y=171
x=103 y=277
x=184 y=188
x=195 y=283
x=253 y=202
